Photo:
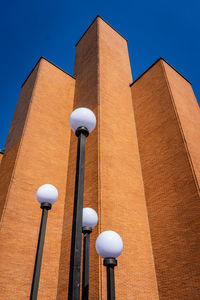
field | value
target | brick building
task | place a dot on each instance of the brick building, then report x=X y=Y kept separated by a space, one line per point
x=142 y=174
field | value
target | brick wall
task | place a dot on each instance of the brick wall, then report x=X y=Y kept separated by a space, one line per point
x=37 y=152
x=164 y=103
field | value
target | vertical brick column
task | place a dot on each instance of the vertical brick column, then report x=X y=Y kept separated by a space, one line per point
x=113 y=179
x=86 y=95
x=168 y=127
x=122 y=205
x=37 y=151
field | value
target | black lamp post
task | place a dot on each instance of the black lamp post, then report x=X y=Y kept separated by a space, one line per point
x=82 y=121
x=86 y=254
x=89 y=221
x=47 y=194
x=109 y=245
x=110 y=263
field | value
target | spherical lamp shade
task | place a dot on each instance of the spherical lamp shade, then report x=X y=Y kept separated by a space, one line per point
x=90 y=217
x=47 y=193
x=82 y=117
x=109 y=244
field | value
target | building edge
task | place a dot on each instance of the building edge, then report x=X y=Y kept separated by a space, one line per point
x=160 y=58
x=42 y=57
x=98 y=16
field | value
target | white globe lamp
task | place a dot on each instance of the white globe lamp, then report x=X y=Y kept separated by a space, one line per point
x=109 y=244
x=47 y=193
x=82 y=117
x=90 y=217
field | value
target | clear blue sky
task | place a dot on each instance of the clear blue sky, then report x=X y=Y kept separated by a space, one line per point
x=30 y=29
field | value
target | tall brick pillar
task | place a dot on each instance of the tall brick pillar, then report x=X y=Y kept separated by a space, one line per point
x=168 y=127
x=41 y=149
x=113 y=179
x=36 y=153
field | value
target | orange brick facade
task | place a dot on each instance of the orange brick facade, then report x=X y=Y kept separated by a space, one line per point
x=142 y=175
x=168 y=128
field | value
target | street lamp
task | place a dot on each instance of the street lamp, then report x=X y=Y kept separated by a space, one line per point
x=109 y=245
x=82 y=122
x=89 y=221
x=47 y=195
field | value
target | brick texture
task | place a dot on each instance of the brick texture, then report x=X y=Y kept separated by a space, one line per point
x=40 y=127
x=113 y=181
x=122 y=202
x=141 y=175
x=85 y=71
x=165 y=107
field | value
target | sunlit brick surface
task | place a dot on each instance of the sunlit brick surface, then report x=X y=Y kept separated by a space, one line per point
x=168 y=127
x=122 y=202
x=113 y=181
x=142 y=175
x=43 y=135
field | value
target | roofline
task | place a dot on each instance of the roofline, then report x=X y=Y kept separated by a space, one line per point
x=98 y=16
x=160 y=58
x=42 y=57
